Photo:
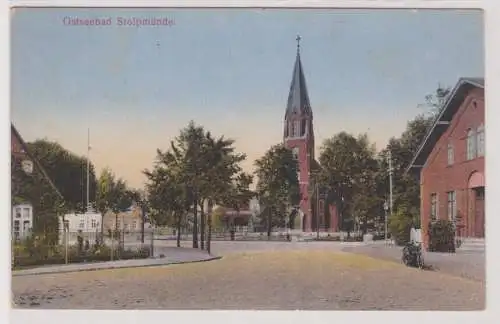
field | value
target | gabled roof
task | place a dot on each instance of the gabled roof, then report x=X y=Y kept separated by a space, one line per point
x=298 y=98
x=442 y=120
x=34 y=160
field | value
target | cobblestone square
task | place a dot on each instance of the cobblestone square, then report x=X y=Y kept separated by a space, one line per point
x=303 y=279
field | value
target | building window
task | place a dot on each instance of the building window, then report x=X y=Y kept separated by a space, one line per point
x=451 y=155
x=17 y=229
x=295 y=153
x=82 y=223
x=452 y=205
x=480 y=141
x=94 y=223
x=434 y=206
x=66 y=223
x=134 y=224
x=26 y=227
x=118 y=223
x=18 y=212
x=471 y=144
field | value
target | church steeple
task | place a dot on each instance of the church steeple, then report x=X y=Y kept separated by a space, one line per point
x=298 y=99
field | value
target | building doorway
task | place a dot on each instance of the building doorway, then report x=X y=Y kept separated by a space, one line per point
x=479 y=211
x=476 y=219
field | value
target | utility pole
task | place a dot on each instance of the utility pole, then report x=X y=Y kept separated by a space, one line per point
x=143 y=213
x=390 y=183
x=386 y=207
x=88 y=170
x=389 y=158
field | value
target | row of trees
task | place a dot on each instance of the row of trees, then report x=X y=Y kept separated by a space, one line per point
x=353 y=176
x=198 y=171
x=356 y=176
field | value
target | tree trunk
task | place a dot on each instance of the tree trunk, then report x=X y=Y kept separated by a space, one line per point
x=143 y=213
x=195 y=222
x=202 y=225
x=269 y=221
x=178 y=228
x=116 y=231
x=101 y=241
x=209 y=235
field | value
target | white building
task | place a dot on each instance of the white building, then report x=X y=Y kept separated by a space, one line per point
x=89 y=224
x=22 y=221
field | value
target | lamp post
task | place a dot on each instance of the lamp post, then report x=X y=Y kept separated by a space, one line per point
x=386 y=208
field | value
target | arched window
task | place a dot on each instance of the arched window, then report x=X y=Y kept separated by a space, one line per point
x=471 y=144
x=296 y=128
x=480 y=141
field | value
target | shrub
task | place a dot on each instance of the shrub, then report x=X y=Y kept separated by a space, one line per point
x=441 y=236
x=22 y=257
x=400 y=224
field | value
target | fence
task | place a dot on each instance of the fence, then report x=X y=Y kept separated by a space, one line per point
x=239 y=234
x=81 y=247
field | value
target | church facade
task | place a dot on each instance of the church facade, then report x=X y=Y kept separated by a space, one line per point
x=317 y=210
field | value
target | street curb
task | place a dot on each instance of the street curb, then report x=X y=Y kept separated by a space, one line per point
x=14 y=274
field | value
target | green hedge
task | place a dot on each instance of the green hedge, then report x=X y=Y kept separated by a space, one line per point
x=441 y=236
x=24 y=258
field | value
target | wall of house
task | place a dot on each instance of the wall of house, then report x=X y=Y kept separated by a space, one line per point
x=128 y=221
x=88 y=222
x=439 y=177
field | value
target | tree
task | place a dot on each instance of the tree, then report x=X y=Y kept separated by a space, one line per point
x=139 y=197
x=434 y=102
x=67 y=170
x=217 y=216
x=240 y=193
x=348 y=172
x=168 y=196
x=406 y=187
x=187 y=156
x=278 y=185
x=105 y=185
x=120 y=199
x=218 y=177
x=197 y=168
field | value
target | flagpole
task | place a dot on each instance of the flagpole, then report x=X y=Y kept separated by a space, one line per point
x=88 y=169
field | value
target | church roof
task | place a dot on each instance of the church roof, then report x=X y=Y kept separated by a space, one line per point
x=298 y=98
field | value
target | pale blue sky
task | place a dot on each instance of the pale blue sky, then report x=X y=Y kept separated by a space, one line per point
x=230 y=70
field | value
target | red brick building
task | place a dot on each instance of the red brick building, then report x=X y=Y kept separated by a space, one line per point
x=450 y=162
x=298 y=135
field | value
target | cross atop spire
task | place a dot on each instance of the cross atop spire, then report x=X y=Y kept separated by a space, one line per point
x=298 y=99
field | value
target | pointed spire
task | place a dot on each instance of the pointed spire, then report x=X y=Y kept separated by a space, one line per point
x=298 y=98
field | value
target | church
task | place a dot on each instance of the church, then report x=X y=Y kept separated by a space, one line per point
x=316 y=210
